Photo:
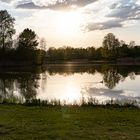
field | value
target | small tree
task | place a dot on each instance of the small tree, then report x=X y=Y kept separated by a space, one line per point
x=132 y=44
x=43 y=44
x=6 y=29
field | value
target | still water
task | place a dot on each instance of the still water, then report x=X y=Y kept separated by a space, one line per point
x=71 y=83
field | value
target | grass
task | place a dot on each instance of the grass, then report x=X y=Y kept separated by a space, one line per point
x=20 y=122
x=84 y=102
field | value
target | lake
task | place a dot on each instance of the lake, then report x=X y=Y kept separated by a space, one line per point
x=70 y=83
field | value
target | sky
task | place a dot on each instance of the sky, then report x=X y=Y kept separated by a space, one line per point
x=76 y=23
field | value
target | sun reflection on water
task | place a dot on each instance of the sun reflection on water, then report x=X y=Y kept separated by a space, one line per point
x=71 y=88
x=71 y=93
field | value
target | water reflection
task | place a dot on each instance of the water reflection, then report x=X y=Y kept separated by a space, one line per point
x=28 y=85
x=71 y=83
x=111 y=77
x=19 y=85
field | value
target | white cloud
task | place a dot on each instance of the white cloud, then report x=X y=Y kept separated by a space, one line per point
x=49 y=4
x=111 y=14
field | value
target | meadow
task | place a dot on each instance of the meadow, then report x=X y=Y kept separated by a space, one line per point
x=20 y=122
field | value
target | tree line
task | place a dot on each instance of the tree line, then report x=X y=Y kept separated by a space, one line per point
x=29 y=49
x=111 y=49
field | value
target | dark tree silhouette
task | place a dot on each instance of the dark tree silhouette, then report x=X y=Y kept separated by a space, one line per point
x=110 y=45
x=6 y=30
x=28 y=39
x=27 y=48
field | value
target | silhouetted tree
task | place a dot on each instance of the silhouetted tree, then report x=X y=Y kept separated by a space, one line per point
x=131 y=44
x=122 y=43
x=110 y=45
x=6 y=30
x=28 y=39
x=27 y=48
x=43 y=44
x=91 y=52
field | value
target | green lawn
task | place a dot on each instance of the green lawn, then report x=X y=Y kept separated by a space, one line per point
x=68 y=123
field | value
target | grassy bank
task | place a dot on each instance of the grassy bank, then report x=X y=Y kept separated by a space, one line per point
x=21 y=122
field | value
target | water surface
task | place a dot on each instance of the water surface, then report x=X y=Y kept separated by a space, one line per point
x=71 y=83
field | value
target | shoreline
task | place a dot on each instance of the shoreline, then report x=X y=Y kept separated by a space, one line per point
x=53 y=64
x=81 y=62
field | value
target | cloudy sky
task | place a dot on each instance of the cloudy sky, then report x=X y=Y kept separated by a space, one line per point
x=77 y=23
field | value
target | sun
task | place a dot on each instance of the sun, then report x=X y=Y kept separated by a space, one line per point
x=68 y=23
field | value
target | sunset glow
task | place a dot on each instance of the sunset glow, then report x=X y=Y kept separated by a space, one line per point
x=68 y=23
x=76 y=23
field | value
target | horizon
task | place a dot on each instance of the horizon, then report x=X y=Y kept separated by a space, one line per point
x=79 y=23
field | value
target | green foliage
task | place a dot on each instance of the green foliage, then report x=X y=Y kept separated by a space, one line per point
x=110 y=46
x=111 y=49
x=110 y=42
x=69 y=53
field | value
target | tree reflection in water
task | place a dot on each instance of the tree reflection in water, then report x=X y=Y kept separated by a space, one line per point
x=6 y=87
x=28 y=85
x=18 y=85
x=25 y=84
x=112 y=74
x=111 y=77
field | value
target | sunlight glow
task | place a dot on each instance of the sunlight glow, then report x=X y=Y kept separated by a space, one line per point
x=71 y=93
x=68 y=23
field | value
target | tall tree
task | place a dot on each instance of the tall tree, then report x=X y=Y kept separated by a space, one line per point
x=110 y=44
x=6 y=29
x=28 y=39
x=27 y=49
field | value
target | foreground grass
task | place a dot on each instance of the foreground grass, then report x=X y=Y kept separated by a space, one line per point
x=20 y=122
